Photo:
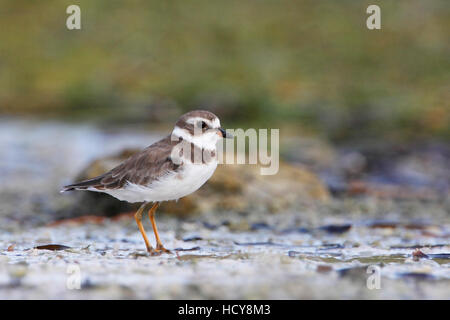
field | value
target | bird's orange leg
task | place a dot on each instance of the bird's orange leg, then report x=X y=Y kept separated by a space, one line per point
x=151 y=215
x=138 y=217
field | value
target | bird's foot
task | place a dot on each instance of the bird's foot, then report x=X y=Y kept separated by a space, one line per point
x=153 y=252
x=161 y=249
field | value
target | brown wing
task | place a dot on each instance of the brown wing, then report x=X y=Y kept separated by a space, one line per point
x=142 y=168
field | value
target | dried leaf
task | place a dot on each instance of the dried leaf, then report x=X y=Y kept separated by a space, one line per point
x=418 y=275
x=322 y=268
x=53 y=247
x=336 y=228
x=267 y=243
x=187 y=249
x=194 y=238
x=383 y=225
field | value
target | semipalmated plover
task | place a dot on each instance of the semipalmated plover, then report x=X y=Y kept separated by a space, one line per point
x=169 y=169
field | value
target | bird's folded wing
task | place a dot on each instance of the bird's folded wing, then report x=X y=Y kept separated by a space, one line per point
x=142 y=168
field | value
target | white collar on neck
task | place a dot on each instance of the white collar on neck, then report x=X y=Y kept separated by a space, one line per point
x=207 y=140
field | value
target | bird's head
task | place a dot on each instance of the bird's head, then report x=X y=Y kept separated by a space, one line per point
x=201 y=128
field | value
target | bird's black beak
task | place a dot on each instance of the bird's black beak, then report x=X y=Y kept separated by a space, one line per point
x=225 y=134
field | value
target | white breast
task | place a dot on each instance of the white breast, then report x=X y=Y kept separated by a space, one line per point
x=170 y=187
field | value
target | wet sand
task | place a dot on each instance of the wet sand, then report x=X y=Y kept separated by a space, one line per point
x=108 y=261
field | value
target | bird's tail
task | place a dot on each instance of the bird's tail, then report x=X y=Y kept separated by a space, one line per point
x=83 y=185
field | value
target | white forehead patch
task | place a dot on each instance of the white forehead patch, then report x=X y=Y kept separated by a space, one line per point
x=216 y=123
x=213 y=124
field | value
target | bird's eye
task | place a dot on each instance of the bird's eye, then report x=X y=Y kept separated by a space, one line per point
x=204 y=125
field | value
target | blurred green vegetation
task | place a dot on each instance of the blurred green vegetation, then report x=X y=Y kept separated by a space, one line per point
x=307 y=65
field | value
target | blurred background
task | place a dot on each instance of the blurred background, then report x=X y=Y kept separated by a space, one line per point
x=306 y=65
x=354 y=105
x=364 y=120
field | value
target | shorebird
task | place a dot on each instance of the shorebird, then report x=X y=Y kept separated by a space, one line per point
x=169 y=169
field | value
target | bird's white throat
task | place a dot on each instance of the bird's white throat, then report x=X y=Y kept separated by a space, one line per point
x=203 y=140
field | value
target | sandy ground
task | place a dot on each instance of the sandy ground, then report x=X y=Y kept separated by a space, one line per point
x=108 y=261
